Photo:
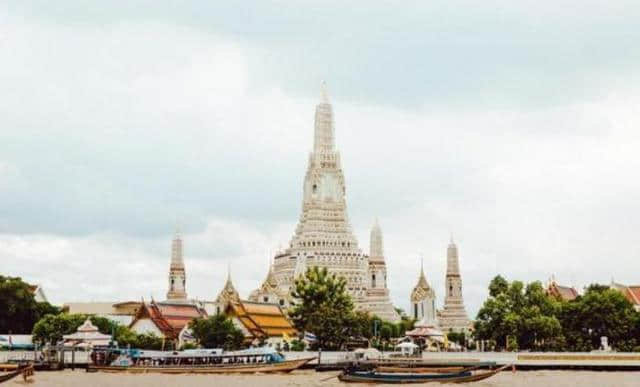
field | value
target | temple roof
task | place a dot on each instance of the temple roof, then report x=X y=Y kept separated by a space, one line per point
x=422 y=288
x=261 y=320
x=565 y=293
x=169 y=318
x=228 y=292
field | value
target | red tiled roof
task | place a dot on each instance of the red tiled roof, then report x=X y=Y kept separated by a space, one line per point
x=563 y=292
x=633 y=294
x=170 y=319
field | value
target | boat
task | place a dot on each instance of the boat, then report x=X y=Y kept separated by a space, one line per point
x=424 y=370
x=207 y=361
x=25 y=370
x=354 y=376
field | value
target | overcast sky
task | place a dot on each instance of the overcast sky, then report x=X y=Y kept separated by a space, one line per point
x=512 y=125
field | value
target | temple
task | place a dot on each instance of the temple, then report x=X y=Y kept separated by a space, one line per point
x=560 y=292
x=453 y=316
x=423 y=301
x=378 y=302
x=323 y=236
x=177 y=276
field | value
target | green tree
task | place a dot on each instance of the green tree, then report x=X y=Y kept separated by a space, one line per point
x=51 y=329
x=19 y=309
x=600 y=312
x=323 y=307
x=217 y=331
x=516 y=316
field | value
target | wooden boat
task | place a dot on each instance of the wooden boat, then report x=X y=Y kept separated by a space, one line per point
x=402 y=378
x=25 y=370
x=424 y=370
x=283 y=367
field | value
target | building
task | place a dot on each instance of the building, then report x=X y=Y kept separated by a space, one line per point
x=269 y=291
x=565 y=293
x=119 y=312
x=260 y=322
x=423 y=301
x=323 y=236
x=227 y=295
x=378 y=301
x=38 y=293
x=453 y=316
x=168 y=320
x=177 y=275
x=632 y=293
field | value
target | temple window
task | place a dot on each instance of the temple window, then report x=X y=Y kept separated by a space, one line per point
x=415 y=311
x=451 y=290
x=373 y=280
x=281 y=302
x=265 y=299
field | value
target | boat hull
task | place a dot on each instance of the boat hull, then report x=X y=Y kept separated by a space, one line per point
x=285 y=366
x=391 y=378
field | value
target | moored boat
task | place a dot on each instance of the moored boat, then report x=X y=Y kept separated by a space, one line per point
x=264 y=360
x=25 y=370
x=355 y=376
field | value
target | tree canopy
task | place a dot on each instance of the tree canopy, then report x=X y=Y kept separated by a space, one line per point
x=217 y=331
x=20 y=310
x=51 y=328
x=323 y=307
x=519 y=317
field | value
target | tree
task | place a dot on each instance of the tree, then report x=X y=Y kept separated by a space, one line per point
x=51 y=328
x=323 y=307
x=516 y=316
x=217 y=331
x=20 y=310
x=600 y=312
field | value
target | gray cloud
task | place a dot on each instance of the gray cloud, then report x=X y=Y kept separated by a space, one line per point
x=511 y=126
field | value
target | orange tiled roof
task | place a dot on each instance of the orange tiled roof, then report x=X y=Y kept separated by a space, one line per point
x=633 y=294
x=262 y=320
x=564 y=292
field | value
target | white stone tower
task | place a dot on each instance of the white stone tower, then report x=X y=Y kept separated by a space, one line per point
x=378 y=302
x=423 y=301
x=323 y=235
x=177 y=276
x=454 y=316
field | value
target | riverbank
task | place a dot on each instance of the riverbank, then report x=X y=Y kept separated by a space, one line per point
x=311 y=378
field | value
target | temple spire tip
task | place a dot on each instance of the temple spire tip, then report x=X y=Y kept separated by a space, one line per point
x=324 y=94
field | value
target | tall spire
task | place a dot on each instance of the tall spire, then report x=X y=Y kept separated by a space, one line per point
x=177 y=274
x=452 y=259
x=323 y=128
x=324 y=94
x=376 y=244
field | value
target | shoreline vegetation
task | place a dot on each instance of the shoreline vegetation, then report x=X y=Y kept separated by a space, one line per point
x=515 y=317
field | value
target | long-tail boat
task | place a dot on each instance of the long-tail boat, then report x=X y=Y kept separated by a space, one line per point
x=424 y=370
x=25 y=370
x=355 y=376
x=196 y=362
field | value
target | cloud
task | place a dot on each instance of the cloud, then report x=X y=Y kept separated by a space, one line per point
x=513 y=127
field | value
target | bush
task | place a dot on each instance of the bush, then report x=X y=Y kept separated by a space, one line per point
x=298 y=345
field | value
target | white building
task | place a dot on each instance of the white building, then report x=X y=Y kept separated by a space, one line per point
x=323 y=236
x=454 y=316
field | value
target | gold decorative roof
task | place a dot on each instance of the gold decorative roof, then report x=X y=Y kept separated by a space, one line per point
x=422 y=289
x=228 y=293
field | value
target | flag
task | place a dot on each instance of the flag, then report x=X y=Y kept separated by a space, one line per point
x=310 y=337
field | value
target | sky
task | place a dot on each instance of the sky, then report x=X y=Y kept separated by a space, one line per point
x=512 y=126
